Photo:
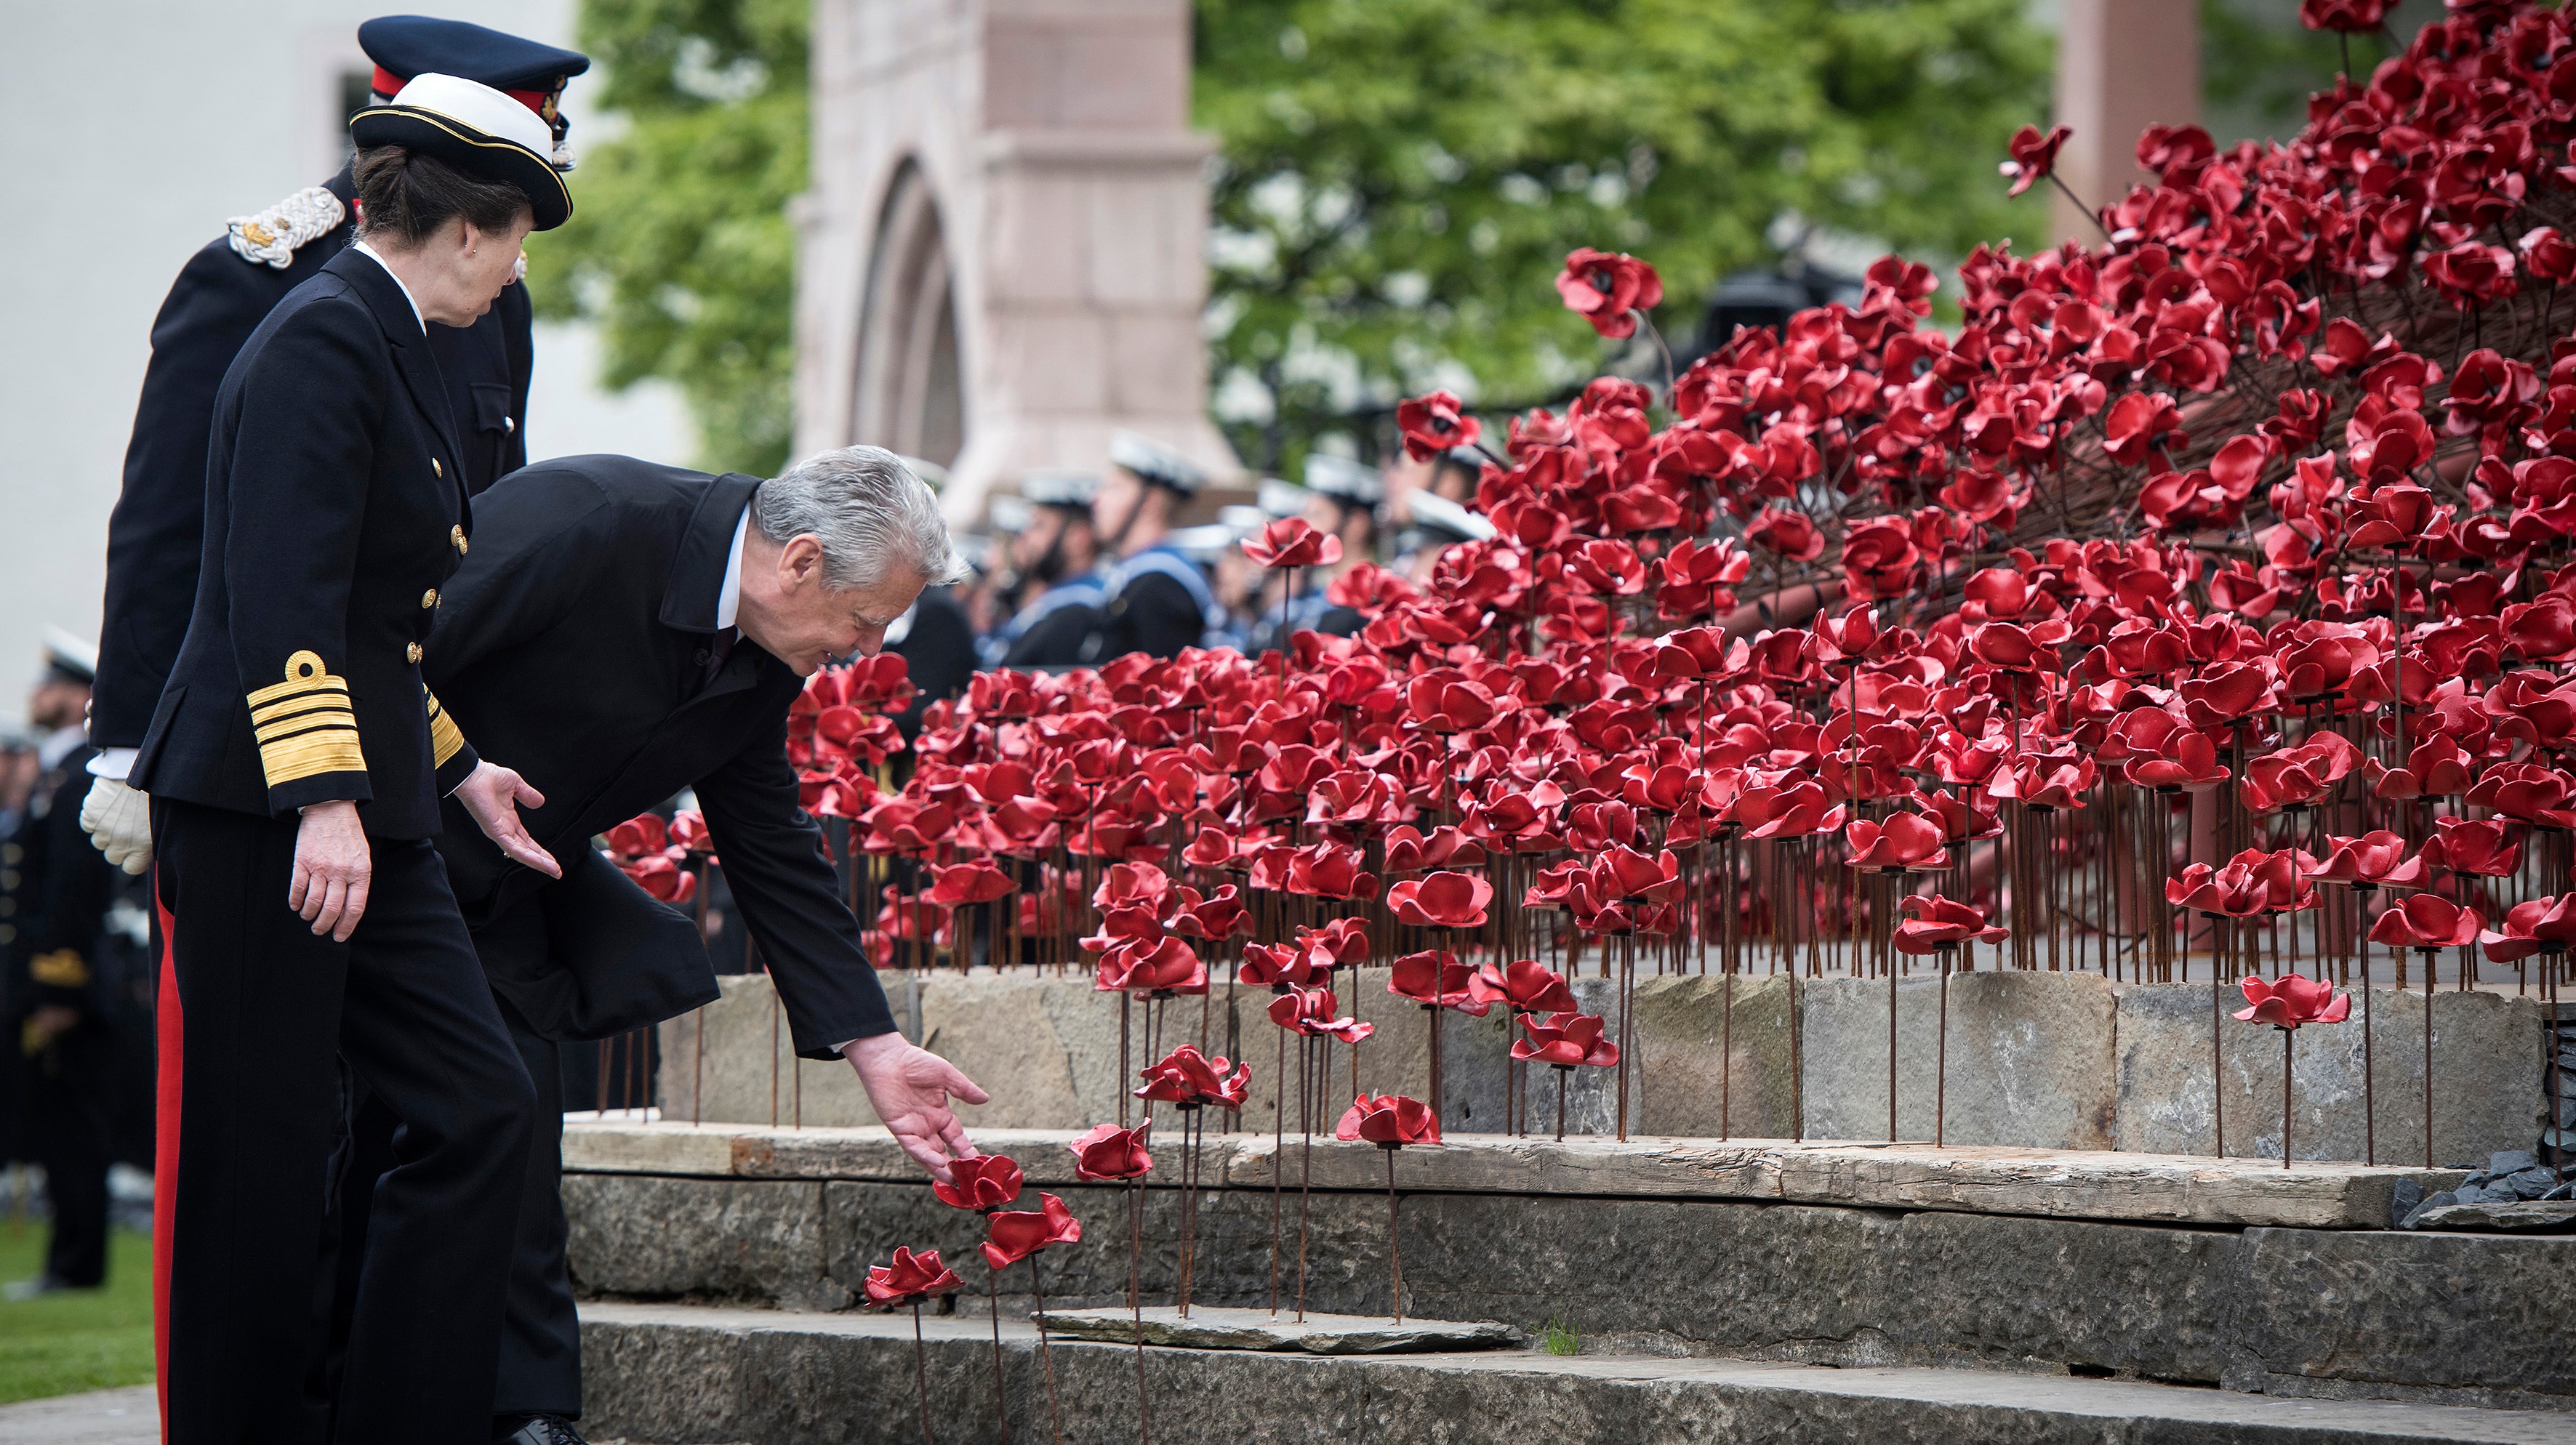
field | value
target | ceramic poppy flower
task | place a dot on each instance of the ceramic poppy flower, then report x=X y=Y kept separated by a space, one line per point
x=1434 y=424
x=1140 y=966
x=1293 y=542
x=1905 y=842
x=2356 y=17
x=1792 y=535
x=1565 y=1040
x=2033 y=156
x=663 y=878
x=1932 y=924
x=2485 y=847
x=1012 y=1235
x=2378 y=859
x=1327 y=870
x=1187 y=1077
x=985 y=1181
x=2542 y=925
x=1107 y=1152
x=1338 y=943
x=689 y=830
x=1524 y=985
x=2292 y=1000
x=1217 y=916
x=1441 y=900
x=2427 y=921
x=963 y=883
x=2185 y=761
x=1435 y=978
x=1274 y=965
x=1390 y=1121
x=910 y=1279
x=1608 y=290
x=1312 y=1012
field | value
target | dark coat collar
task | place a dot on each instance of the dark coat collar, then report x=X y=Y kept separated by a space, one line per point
x=402 y=328
x=698 y=568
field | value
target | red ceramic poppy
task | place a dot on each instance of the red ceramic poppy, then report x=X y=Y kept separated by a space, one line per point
x=1108 y=1152
x=1442 y=900
x=1312 y=1012
x=1434 y=424
x=1523 y=985
x=976 y=882
x=1012 y=1235
x=1435 y=978
x=2542 y=925
x=1389 y=1121
x=1293 y=542
x=910 y=1279
x=1185 y=1076
x=2378 y=858
x=2291 y=1001
x=1905 y=841
x=1607 y=290
x=1565 y=1040
x=1140 y=966
x=1933 y=924
x=2033 y=156
x=984 y=1181
x=2425 y=920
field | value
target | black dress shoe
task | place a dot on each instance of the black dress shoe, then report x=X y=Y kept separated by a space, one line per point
x=543 y=1430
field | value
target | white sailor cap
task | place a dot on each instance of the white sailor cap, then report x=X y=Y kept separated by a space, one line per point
x=1439 y=521
x=1280 y=499
x=1247 y=521
x=1154 y=462
x=69 y=659
x=1060 y=489
x=1204 y=545
x=1344 y=480
x=1009 y=513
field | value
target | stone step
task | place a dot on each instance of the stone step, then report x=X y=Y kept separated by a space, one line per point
x=686 y=1375
x=2185 y=1272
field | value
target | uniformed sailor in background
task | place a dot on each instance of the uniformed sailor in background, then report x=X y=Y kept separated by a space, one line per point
x=1057 y=553
x=68 y=967
x=1438 y=524
x=297 y=762
x=933 y=636
x=1342 y=498
x=221 y=295
x=1159 y=600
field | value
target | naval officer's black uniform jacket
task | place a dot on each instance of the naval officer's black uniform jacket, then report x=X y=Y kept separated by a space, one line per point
x=579 y=642
x=334 y=509
x=218 y=300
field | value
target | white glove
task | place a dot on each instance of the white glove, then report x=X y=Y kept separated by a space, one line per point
x=119 y=820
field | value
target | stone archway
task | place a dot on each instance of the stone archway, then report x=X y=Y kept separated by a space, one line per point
x=910 y=397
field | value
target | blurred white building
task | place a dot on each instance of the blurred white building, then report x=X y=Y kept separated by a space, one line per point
x=130 y=131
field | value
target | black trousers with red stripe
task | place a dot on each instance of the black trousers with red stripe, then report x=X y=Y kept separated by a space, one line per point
x=267 y=1008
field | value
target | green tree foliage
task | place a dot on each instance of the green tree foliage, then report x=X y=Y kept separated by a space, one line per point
x=679 y=243
x=1400 y=179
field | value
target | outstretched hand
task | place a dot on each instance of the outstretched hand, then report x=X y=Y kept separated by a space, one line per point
x=909 y=1087
x=490 y=793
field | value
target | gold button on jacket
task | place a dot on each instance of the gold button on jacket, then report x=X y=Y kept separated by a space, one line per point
x=429 y=598
x=412 y=653
x=456 y=534
x=435 y=469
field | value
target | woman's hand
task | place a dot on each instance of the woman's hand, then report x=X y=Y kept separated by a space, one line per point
x=332 y=866
x=488 y=793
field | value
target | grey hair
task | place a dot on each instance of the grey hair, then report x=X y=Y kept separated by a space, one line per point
x=867 y=509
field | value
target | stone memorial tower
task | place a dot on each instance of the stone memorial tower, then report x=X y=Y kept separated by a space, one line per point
x=1001 y=255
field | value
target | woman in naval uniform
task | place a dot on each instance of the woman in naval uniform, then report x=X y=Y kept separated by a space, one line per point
x=297 y=764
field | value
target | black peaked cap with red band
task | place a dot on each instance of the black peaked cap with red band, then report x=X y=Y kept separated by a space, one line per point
x=404 y=46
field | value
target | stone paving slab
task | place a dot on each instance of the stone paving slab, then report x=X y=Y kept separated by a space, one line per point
x=130 y=1416
x=1211 y=1327
x=680 y=1373
x=2060 y=1184
x=2523 y=1216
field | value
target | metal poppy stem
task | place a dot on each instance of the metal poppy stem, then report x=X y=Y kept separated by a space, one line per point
x=1136 y=1303
x=1001 y=1400
x=1561 y=1072
x=2286 y=1036
x=2429 y=956
x=1394 y=1250
x=1046 y=1356
x=921 y=1371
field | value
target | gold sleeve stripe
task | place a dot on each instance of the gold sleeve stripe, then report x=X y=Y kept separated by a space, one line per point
x=62 y=968
x=444 y=740
x=297 y=711
x=305 y=755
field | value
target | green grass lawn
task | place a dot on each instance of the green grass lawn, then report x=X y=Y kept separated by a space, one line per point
x=87 y=1340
